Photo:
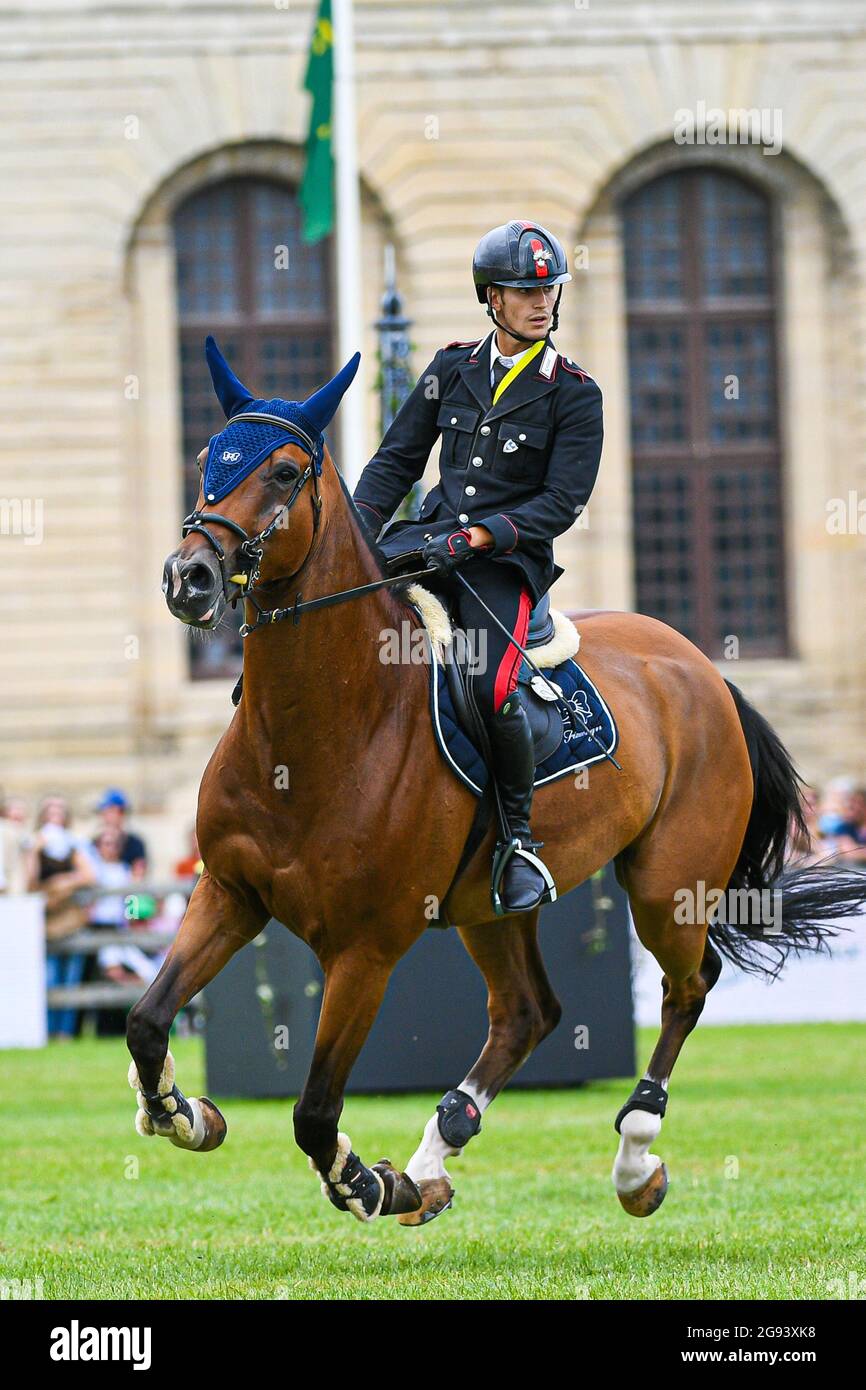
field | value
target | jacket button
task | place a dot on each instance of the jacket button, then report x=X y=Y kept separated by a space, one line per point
x=470 y=492
x=477 y=461
x=521 y=436
x=485 y=429
x=454 y=419
x=463 y=517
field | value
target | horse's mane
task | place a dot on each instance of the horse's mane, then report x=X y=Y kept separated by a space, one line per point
x=375 y=550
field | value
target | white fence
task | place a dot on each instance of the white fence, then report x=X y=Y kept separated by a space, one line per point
x=811 y=989
x=23 y=994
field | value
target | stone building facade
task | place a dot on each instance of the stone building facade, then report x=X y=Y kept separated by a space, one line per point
x=467 y=115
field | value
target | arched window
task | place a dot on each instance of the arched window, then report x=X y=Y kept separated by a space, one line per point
x=245 y=275
x=704 y=415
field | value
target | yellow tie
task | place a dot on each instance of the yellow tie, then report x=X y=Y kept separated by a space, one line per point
x=528 y=356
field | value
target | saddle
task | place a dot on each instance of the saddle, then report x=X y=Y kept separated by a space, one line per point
x=545 y=717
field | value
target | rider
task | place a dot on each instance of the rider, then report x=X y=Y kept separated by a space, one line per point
x=521 y=429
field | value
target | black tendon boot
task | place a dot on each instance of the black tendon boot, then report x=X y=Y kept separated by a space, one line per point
x=520 y=880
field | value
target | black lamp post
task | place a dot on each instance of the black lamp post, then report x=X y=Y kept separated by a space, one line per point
x=395 y=381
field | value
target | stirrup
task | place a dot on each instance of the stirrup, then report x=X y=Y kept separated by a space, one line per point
x=501 y=857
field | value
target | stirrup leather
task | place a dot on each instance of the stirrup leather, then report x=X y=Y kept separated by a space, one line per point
x=503 y=853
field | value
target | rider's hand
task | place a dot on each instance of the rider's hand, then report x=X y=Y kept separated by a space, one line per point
x=444 y=553
x=481 y=538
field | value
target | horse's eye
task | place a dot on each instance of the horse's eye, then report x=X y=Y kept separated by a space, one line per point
x=287 y=474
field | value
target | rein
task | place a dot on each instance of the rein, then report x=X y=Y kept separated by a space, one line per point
x=252 y=547
x=294 y=611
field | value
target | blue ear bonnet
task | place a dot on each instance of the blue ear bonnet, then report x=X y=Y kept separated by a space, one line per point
x=238 y=450
x=244 y=443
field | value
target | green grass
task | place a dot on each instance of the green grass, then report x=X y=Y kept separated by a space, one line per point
x=97 y=1212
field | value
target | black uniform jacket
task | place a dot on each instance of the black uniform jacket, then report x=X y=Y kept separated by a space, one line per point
x=524 y=468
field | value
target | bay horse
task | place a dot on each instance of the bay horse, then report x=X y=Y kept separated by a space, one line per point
x=328 y=806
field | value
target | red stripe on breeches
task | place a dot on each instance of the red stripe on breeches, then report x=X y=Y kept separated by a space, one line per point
x=509 y=667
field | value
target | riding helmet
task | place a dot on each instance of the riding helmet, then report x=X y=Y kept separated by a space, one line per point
x=518 y=254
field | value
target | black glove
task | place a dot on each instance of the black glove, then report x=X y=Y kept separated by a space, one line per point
x=446 y=552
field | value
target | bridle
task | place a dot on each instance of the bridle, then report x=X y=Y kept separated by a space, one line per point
x=252 y=547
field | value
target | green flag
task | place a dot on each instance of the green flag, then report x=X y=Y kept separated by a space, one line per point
x=317 y=189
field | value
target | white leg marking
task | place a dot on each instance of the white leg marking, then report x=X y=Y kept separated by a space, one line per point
x=634 y=1164
x=481 y=1098
x=428 y=1160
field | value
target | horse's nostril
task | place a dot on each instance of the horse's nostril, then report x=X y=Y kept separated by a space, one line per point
x=199 y=579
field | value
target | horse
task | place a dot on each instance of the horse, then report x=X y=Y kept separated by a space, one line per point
x=328 y=806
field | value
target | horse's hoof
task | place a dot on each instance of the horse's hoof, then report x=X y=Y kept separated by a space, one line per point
x=436 y=1195
x=215 y=1124
x=647 y=1199
x=215 y=1128
x=401 y=1194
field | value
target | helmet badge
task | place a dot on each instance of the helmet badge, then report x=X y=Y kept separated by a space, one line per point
x=540 y=257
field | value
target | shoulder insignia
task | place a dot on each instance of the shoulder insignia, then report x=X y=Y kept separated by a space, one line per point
x=571 y=366
x=548 y=364
x=473 y=342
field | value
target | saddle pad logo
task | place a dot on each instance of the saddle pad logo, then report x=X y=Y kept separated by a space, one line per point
x=230 y=455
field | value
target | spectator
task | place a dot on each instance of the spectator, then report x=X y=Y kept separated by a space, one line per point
x=840 y=821
x=112 y=809
x=858 y=809
x=14 y=809
x=57 y=864
x=13 y=814
x=122 y=963
x=802 y=847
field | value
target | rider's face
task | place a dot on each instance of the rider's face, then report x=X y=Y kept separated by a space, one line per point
x=528 y=312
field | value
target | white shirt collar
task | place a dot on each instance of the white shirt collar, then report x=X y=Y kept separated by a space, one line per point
x=495 y=354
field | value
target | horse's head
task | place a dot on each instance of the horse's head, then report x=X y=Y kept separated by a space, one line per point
x=259 y=502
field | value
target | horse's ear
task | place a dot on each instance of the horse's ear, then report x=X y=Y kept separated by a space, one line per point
x=321 y=407
x=233 y=395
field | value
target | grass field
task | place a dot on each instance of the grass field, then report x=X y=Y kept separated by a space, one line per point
x=764 y=1142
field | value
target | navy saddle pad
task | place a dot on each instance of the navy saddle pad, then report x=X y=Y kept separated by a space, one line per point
x=582 y=708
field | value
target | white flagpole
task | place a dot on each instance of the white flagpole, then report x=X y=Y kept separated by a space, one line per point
x=348 y=212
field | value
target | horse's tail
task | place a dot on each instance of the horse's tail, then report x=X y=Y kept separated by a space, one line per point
x=805 y=900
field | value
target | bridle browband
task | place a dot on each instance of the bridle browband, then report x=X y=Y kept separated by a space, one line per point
x=252 y=547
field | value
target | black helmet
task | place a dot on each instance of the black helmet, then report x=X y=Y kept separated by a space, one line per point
x=518 y=254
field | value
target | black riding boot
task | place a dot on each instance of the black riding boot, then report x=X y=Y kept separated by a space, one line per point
x=522 y=885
